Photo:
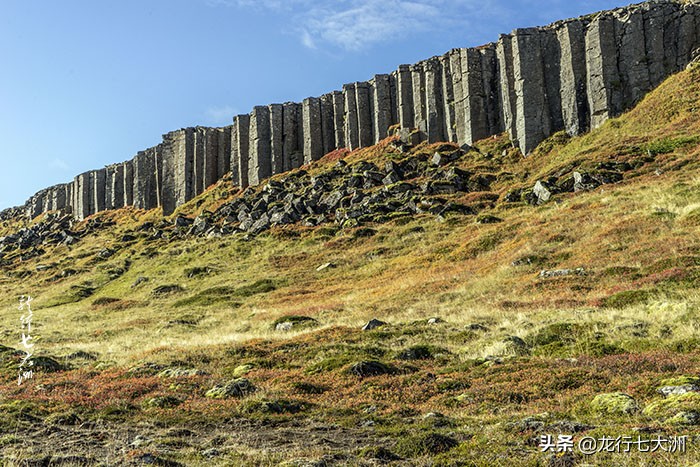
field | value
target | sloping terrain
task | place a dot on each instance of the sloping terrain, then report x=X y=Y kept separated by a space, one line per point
x=517 y=297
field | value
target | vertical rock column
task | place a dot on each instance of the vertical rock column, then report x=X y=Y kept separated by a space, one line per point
x=632 y=62
x=98 y=190
x=81 y=192
x=313 y=135
x=458 y=95
x=551 y=61
x=404 y=95
x=198 y=183
x=448 y=98
x=211 y=157
x=490 y=77
x=654 y=22
x=115 y=184
x=276 y=138
x=532 y=122
x=240 y=142
x=574 y=101
x=69 y=198
x=144 y=186
x=603 y=83
x=504 y=52
x=327 y=123
x=259 y=160
x=364 y=114
x=339 y=118
x=128 y=183
x=178 y=169
x=418 y=83
x=352 y=134
x=292 y=139
x=476 y=124
x=381 y=106
x=224 y=146
x=434 y=107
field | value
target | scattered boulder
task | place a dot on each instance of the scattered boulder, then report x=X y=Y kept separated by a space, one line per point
x=287 y=323
x=163 y=290
x=180 y=372
x=369 y=368
x=514 y=345
x=679 y=385
x=239 y=387
x=373 y=324
x=544 y=274
x=542 y=192
x=685 y=418
x=325 y=266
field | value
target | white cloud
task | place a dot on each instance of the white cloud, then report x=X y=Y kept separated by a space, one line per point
x=220 y=115
x=60 y=164
x=357 y=24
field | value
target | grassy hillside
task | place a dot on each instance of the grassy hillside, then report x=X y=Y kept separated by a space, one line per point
x=539 y=309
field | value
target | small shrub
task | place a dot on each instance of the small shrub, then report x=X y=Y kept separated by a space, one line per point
x=278 y=407
x=163 y=290
x=425 y=444
x=626 y=298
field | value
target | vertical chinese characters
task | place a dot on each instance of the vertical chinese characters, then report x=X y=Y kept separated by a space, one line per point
x=25 y=366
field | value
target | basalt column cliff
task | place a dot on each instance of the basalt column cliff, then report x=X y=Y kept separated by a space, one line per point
x=571 y=75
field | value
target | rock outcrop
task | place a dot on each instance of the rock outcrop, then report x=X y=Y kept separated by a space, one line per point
x=571 y=75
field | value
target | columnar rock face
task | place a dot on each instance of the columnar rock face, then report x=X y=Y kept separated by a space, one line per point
x=260 y=146
x=240 y=140
x=572 y=75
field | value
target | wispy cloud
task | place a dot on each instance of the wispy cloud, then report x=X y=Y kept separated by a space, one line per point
x=357 y=24
x=59 y=164
x=220 y=115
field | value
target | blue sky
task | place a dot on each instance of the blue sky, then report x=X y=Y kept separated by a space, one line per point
x=85 y=83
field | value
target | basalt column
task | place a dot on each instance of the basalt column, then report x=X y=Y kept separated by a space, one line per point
x=632 y=62
x=97 y=203
x=490 y=77
x=381 y=106
x=574 y=100
x=144 y=186
x=504 y=52
x=276 y=138
x=603 y=83
x=128 y=183
x=198 y=161
x=260 y=164
x=476 y=122
x=364 y=114
x=434 y=107
x=404 y=94
x=352 y=134
x=532 y=123
x=115 y=182
x=292 y=140
x=224 y=145
x=458 y=95
x=339 y=119
x=327 y=123
x=448 y=98
x=178 y=169
x=313 y=135
x=240 y=142
x=418 y=82
x=81 y=193
x=211 y=157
